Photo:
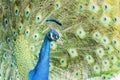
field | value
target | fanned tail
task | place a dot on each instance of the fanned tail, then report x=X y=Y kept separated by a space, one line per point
x=90 y=33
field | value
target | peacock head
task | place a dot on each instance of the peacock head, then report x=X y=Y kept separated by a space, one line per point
x=53 y=35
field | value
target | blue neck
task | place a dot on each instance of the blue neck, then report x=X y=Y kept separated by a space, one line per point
x=41 y=71
x=44 y=55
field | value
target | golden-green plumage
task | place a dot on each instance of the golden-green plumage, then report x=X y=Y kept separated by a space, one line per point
x=22 y=56
x=90 y=33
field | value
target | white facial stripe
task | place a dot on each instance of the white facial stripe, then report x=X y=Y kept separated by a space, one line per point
x=56 y=37
x=51 y=35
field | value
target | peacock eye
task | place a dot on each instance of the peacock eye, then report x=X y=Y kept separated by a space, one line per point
x=105 y=7
x=81 y=7
x=115 y=19
x=49 y=35
x=93 y=7
x=16 y=12
x=54 y=36
x=6 y=22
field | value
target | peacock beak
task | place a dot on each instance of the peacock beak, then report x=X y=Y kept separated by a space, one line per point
x=59 y=41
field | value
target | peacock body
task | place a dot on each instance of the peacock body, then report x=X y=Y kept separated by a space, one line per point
x=41 y=70
x=89 y=31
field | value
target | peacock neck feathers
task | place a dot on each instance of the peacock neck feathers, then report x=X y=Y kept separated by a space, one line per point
x=41 y=71
x=45 y=50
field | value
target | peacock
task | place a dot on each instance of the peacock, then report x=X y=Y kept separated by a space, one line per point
x=89 y=31
x=41 y=71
